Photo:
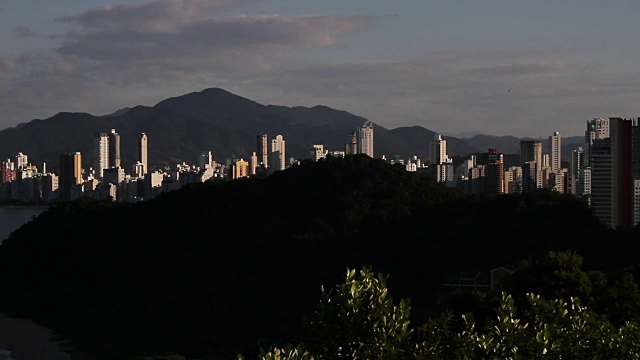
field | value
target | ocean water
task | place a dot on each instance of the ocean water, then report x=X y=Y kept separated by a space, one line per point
x=11 y=218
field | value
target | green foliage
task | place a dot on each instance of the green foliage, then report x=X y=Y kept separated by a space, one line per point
x=358 y=320
x=289 y=352
x=558 y=275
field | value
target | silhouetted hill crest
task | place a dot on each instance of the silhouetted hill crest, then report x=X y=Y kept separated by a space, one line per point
x=180 y=128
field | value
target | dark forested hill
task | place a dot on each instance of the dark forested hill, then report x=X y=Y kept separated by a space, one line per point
x=179 y=129
x=219 y=268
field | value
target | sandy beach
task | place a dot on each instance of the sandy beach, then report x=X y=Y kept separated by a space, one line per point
x=28 y=341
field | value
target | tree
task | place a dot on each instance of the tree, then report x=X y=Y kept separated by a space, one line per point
x=358 y=320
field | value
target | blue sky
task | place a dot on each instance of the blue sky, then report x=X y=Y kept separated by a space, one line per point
x=523 y=68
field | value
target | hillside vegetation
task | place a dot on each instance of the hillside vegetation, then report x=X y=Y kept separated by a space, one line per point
x=217 y=269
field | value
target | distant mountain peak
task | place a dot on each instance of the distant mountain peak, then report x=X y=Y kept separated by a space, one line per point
x=207 y=98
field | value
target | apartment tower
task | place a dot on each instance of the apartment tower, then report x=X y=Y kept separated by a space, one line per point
x=531 y=161
x=70 y=174
x=141 y=152
x=611 y=173
x=101 y=153
x=278 y=154
x=555 y=152
x=114 y=149
x=439 y=150
x=262 y=149
x=365 y=139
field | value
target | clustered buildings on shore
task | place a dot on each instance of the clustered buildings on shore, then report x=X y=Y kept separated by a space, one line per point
x=21 y=181
x=605 y=171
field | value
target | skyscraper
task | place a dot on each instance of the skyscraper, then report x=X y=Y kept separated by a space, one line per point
x=531 y=150
x=365 y=139
x=351 y=147
x=576 y=173
x=531 y=161
x=439 y=150
x=262 y=150
x=611 y=173
x=596 y=129
x=205 y=160
x=70 y=174
x=492 y=180
x=101 y=152
x=21 y=160
x=278 y=155
x=114 y=149
x=555 y=152
x=141 y=152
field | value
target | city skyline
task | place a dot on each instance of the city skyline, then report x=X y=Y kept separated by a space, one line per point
x=516 y=68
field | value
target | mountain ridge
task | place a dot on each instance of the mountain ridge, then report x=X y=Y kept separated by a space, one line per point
x=180 y=128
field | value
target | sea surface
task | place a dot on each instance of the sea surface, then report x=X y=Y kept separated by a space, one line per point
x=12 y=217
x=22 y=339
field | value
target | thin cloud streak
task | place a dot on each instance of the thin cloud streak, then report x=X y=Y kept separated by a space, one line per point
x=265 y=34
x=162 y=15
x=24 y=31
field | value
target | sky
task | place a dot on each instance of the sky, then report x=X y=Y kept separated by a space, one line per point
x=520 y=67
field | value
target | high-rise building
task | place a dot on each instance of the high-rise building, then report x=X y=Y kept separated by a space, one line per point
x=351 y=147
x=141 y=152
x=21 y=161
x=636 y=202
x=101 y=152
x=531 y=160
x=439 y=151
x=555 y=152
x=317 y=152
x=278 y=154
x=611 y=174
x=365 y=139
x=205 y=160
x=492 y=180
x=70 y=174
x=531 y=150
x=635 y=143
x=576 y=180
x=262 y=149
x=114 y=149
x=7 y=171
x=513 y=180
x=253 y=163
x=596 y=129
x=239 y=169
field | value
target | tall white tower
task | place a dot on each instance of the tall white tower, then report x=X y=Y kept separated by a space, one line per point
x=555 y=152
x=206 y=160
x=21 y=160
x=101 y=152
x=141 y=152
x=365 y=139
x=439 y=150
x=278 y=157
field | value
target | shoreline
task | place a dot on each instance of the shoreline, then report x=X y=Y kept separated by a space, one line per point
x=27 y=340
x=25 y=206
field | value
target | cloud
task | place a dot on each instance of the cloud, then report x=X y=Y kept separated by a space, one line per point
x=154 y=50
x=23 y=31
x=232 y=38
x=162 y=15
x=158 y=48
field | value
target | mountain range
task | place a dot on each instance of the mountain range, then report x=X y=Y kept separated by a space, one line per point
x=180 y=128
